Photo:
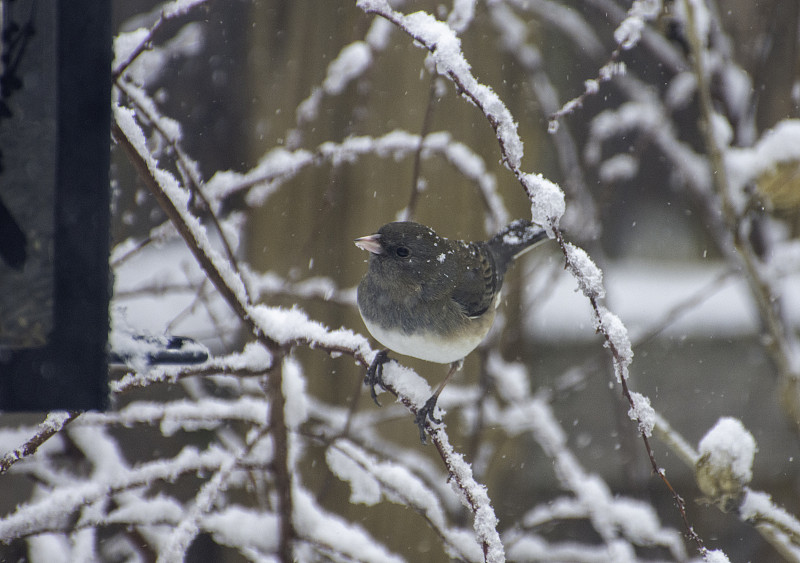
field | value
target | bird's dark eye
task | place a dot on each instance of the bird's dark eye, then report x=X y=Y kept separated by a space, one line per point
x=402 y=251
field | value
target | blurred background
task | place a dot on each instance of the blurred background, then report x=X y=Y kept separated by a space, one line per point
x=247 y=79
x=236 y=86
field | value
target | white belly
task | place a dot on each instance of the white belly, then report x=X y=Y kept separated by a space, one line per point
x=426 y=346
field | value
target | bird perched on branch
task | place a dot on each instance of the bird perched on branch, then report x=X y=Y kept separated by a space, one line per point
x=434 y=298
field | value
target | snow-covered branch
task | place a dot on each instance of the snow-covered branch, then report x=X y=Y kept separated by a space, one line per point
x=266 y=164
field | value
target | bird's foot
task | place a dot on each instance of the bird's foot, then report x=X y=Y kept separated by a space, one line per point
x=426 y=412
x=375 y=374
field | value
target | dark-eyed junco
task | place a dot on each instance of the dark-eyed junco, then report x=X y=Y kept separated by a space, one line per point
x=434 y=298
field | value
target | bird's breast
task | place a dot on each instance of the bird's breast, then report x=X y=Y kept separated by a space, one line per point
x=426 y=345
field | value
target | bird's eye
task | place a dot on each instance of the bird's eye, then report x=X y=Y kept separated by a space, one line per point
x=402 y=251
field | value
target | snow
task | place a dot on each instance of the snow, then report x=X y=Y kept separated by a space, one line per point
x=777 y=145
x=728 y=446
x=721 y=306
x=547 y=200
x=351 y=62
x=618 y=168
x=237 y=526
x=721 y=130
x=312 y=522
x=153 y=287
x=279 y=163
x=291 y=325
x=511 y=379
x=126 y=43
x=55 y=510
x=294 y=391
x=53 y=548
x=179 y=7
x=445 y=51
x=758 y=507
x=150 y=64
x=379 y=33
x=474 y=496
x=370 y=479
x=592 y=499
x=586 y=272
x=629 y=32
x=616 y=335
x=147 y=510
x=188 y=415
x=645 y=115
x=643 y=413
x=715 y=556
x=612 y=69
x=681 y=90
x=407 y=383
x=178 y=196
x=364 y=488
x=461 y=15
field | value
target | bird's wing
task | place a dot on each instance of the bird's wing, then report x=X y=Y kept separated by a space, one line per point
x=478 y=282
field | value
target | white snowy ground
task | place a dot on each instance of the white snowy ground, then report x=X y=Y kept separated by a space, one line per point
x=642 y=293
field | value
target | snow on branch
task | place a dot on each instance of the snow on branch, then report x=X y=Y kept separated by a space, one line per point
x=53 y=423
x=725 y=463
x=627 y=36
x=547 y=204
x=370 y=479
x=53 y=512
x=257 y=424
x=279 y=165
x=610 y=516
x=182 y=535
x=328 y=534
x=723 y=468
x=444 y=47
x=277 y=327
x=280 y=329
x=128 y=47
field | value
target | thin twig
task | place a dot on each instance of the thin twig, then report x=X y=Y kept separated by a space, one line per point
x=424 y=130
x=52 y=425
x=187 y=169
x=280 y=464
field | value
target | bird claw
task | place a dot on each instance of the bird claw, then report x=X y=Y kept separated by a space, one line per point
x=375 y=374
x=423 y=413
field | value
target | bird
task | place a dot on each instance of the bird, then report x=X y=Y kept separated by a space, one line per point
x=434 y=298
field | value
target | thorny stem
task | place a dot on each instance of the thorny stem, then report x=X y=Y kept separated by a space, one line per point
x=618 y=363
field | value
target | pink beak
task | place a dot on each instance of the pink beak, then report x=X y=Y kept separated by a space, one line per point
x=370 y=243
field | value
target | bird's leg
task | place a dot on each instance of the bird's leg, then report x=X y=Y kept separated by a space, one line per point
x=375 y=374
x=426 y=411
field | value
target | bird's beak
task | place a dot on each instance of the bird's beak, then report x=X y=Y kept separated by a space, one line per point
x=370 y=243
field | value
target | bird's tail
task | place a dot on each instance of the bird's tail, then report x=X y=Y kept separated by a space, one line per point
x=518 y=237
